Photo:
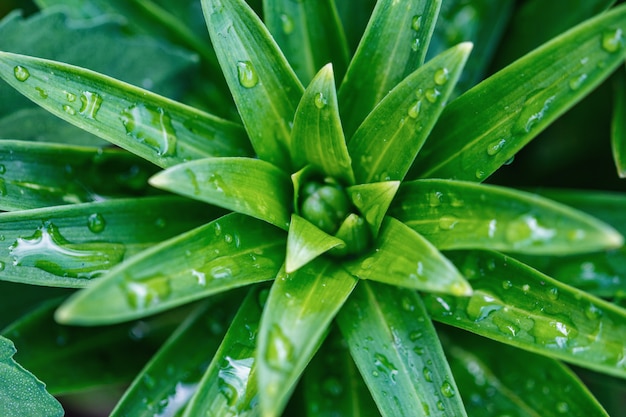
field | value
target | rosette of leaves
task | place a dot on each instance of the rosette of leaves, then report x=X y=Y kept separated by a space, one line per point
x=345 y=195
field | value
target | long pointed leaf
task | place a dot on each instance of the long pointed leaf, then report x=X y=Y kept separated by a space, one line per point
x=245 y=185
x=463 y=215
x=230 y=252
x=618 y=126
x=385 y=145
x=373 y=201
x=264 y=86
x=306 y=242
x=157 y=129
x=515 y=304
x=396 y=348
x=295 y=320
x=398 y=33
x=404 y=258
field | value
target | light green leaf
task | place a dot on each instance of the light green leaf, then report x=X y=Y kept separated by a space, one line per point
x=397 y=351
x=373 y=201
x=310 y=35
x=34 y=175
x=402 y=257
x=495 y=379
x=49 y=349
x=295 y=320
x=306 y=242
x=317 y=137
x=230 y=252
x=398 y=33
x=157 y=129
x=172 y=375
x=68 y=246
x=618 y=125
x=507 y=115
x=517 y=305
x=229 y=385
x=21 y=393
x=245 y=185
x=386 y=143
x=264 y=86
x=464 y=215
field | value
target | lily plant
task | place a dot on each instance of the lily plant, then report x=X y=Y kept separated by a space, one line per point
x=304 y=244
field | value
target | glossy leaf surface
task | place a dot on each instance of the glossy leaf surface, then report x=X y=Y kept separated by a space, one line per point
x=461 y=215
x=157 y=129
x=373 y=200
x=555 y=77
x=261 y=81
x=306 y=242
x=386 y=143
x=618 y=125
x=396 y=349
x=517 y=305
x=397 y=32
x=245 y=185
x=295 y=320
x=68 y=246
x=230 y=252
x=402 y=257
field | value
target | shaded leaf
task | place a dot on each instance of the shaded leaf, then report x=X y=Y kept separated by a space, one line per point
x=517 y=305
x=295 y=320
x=397 y=32
x=264 y=86
x=397 y=351
x=618 y=125
x=245 y=185
x=402 y=257
x=155 y=128
x=19 y=299
x=230 y=252
x=306 y=242
x=463 y=215
x=373 y=200
x=507 y=115
x=386 y=143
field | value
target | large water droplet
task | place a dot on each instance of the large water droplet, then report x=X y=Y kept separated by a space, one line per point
x=233 y=379
x=432 y=94
x=612 y=40
x=414 y=109
x=90 y=104
x=247 y=75
x=530 y=114
x=481 y=305
x=279 y=352
x=287 y=24
x=442 y=75
x=147 y=292
x=320 y=101
x=448 y=222
x=416 y=22
x=527 y=231
x=42 y=93
x=447 y=390
x=428 y=374
x=383 y=364
x=96 y=223
x=495 y=147
x=21 y=73
x=152 y=126
x=576 y=82
x=69 y=109
x=435 y=198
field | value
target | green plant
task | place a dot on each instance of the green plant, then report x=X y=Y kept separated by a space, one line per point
x=353 y=209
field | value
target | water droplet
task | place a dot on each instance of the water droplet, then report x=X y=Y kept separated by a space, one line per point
x=217 y=182
x=21 y=73
x=612 y=40
x=448 y=222
x=442 y=75
x=480 y=174
x=221 y=272
x=432 y=94
x=96 y=223
x=428 y=374
x=287 y=23
x=495 y=147
x=320 y=101
x=553 y=293
x=69 y=110
x=481 y=305
x=151 y=126
x=383 y=364
x=447 y=390
x=507 y=285
x=90 y=104
x=414 y=110
x=592 y=312
x=525 y=288
x=562 y=407
x=576 y=82
x=407 y=304
x=530 y=115
x=415 y=45
x=527 y=231
x=248 y=77
x=414 y=335
x=2 y=266
x=279 y=352
x=42 y=93
x=416 y=22
x=440 y=406
x=233 y=379
x=147 y=292
x=435 y=198
x=200 y=277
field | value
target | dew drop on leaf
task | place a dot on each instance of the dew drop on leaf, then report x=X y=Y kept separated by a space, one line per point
x=42 y=93
x=69 y=110
x=428 y=374
x=414 y=109
x=287 y=23
x=612 y=40
x=320 y=101
x=416 y=22
x=247 y=75
x=448 y=222
x=90 y=104
x=576 y=82
x=432 y=94
x=96 y=223
x=442 y=75
x=495 y=147
x=279 y=352
x=233 y=379
x=415 y=44
x=70 y=96
x=447 y=390
x=147 y=292
x=21 y=73
x=151 y=126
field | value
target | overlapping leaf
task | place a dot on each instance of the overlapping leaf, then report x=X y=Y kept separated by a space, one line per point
x=618 y=126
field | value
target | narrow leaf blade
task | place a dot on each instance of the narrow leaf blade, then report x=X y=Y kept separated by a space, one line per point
x=373 y=201
x=306 y=242
x=618 y=125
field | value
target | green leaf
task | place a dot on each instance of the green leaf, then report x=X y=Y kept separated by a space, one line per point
x=398 y=33
x=507 y=115
x=373 y=201
x=229 y=385
x=309 y=34
x=386 y=143
x=21 y=393
x=295 y=320
x=618 y=125
x=67 y=246
x=245 y=185
x=19 y=299
x=230 y=252
x=404 y=258
x=34 y=175
x=397 y=351
x=517 y=305
x=495 y=379
x=464 y=215
x=157 y=129
x=332 y=384
x=172 y=375
x=306 y=242
x=49 y=349
x=317 y=137
x=264 y=86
